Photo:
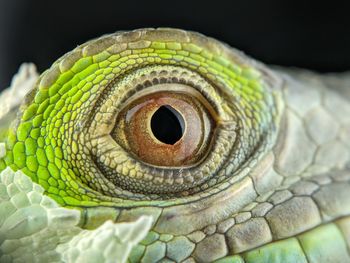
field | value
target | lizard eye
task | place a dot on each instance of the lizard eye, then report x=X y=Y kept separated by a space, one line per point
x=164 y=134
x=166 y=128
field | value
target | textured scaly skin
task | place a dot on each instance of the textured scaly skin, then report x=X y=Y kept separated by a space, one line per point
x=284 y=196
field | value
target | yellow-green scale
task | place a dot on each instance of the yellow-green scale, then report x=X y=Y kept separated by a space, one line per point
x=44 y=146
x=322 y=244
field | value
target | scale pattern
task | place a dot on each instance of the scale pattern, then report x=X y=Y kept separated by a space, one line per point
x=293 y=190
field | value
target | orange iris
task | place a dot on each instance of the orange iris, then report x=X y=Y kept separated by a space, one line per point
x=165 y=128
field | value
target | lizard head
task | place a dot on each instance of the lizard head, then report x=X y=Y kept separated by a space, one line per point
x=172 y=124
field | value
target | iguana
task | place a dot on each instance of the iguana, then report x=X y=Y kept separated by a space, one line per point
x=164 y=145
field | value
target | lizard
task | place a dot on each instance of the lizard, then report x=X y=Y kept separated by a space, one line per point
x=259 y=171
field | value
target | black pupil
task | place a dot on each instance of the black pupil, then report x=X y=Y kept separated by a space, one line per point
x=167 y=125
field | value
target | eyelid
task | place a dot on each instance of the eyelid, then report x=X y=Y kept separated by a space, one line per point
x=177 y=179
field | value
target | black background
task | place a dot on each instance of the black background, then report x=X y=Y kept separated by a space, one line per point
x=292 y=33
